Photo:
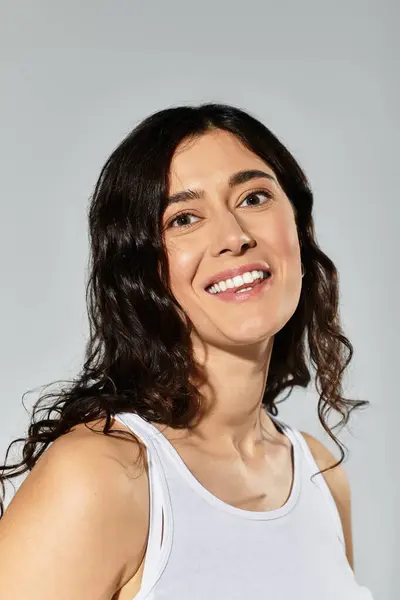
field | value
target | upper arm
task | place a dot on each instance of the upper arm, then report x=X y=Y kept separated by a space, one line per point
x=339 y=486
x=71 y=527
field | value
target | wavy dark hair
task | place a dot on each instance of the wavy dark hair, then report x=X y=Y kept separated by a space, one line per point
x=139 y=355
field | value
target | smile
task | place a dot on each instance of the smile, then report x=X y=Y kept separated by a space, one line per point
x=238 y=289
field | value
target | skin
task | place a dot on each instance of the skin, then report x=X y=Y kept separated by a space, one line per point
x=233 y=341
x=86 y=497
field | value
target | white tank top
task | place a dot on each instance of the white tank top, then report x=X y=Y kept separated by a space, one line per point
x=212 y=550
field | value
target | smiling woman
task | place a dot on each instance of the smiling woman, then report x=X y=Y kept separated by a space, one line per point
x=208 y=297
x=227 y=234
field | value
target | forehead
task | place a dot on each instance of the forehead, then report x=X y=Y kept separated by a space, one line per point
x=209 y=160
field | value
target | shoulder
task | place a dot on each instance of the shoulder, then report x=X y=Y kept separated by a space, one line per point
x=79 y=520
x=323 y=456
x=336 y=478
x=339 y=485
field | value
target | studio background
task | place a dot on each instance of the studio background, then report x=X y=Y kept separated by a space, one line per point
x=76 y=77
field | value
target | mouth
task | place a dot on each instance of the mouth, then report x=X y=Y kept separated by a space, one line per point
x=240 y=285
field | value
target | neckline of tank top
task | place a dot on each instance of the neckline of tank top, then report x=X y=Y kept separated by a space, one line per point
x=264 y=515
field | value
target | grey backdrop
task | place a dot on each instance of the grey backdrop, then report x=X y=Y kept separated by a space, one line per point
x=77 y=76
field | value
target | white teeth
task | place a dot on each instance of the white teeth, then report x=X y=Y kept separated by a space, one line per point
x=237 y=281
x=248 y=277
x=223 y=286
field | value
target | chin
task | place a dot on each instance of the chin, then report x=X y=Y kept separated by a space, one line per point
x=244 y=336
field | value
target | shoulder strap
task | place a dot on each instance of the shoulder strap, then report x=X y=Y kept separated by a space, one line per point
x=320 y=481
x=160 y=521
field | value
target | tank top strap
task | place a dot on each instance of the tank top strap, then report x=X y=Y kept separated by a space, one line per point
x=318 y=480
x=160 y=519
x=290 y=432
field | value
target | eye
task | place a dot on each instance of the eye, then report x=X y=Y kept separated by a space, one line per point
x=257 y=193
x=185 y=215
x=179 y=218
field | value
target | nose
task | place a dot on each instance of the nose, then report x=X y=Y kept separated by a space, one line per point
x=230 y=236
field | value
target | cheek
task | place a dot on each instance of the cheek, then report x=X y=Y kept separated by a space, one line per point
x=182 y=268
x=285 y=237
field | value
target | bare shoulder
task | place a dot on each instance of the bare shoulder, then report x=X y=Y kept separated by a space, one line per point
x=321 y=453
x=78 y=523
x=336 y=478
x=338 y=484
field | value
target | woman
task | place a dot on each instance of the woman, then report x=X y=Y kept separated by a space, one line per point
x=163 y=471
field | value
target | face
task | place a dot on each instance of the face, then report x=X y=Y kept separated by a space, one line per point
x=248 y=222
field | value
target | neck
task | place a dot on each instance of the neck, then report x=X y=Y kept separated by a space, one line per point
x=233 y=417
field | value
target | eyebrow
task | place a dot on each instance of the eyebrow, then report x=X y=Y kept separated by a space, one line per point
x=234 y=180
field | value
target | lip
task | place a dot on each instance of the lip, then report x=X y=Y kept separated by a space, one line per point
x=239 y=270
x=257 y=290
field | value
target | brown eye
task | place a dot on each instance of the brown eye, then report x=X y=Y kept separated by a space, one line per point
x=257 y=194
x=179 y=218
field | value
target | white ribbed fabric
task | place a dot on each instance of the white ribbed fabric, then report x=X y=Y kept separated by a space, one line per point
x=211 y=550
